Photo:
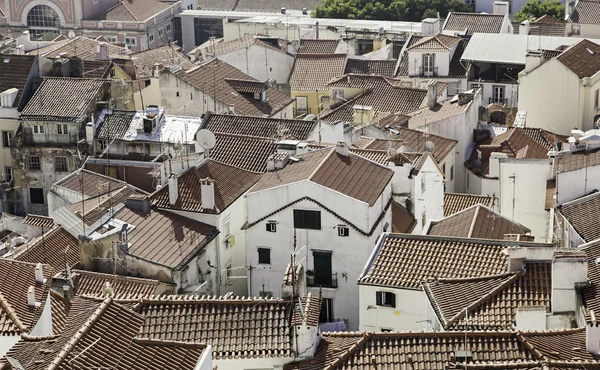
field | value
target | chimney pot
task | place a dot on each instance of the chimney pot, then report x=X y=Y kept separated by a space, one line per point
x=431 y=94
x=342 y=149
x=207 y=191
x=31 y=296
x=173 y=189
x=39 y=273
x=592 y=336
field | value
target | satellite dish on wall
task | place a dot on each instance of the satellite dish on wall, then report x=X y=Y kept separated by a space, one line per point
x=429 y=147
x=206 y=139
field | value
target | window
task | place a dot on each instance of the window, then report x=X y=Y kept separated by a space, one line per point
x=498 y=94
x=7 y=136
x=43 y=23
x=323 y=272
x=168 y=28
x=428 y=64
x=160 y=32
x=177 y=93
x=103 y=144
x=301 y=105
x=386 y=330
x=326 y=310
x=130 y=41
x=36 y=195
x=453 y=88
x=451 y=172
x=111 y=38
x=229 y=271
x=271 y=226
x=337 y=94
x=8 y=174
x=386 y=299
x=343 y=230
x=264 y=256
x=576 y=29
x=60 y=164
x=34 y=163
x=38 y=129
x=422 y=184
x=226 y=227
x=307 y=219
x=62 y=129
x=596 y=99
x=151 y=37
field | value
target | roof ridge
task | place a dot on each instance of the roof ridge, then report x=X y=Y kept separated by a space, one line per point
x=331 y=150
x=12 y=314
x=473 y=221
x=129 y=10
x=358 y=344
x=118 y=277
x=471 y=278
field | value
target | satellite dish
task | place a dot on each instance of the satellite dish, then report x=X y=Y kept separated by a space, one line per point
x=71 y=34
x=206 y=139
x=429 y=147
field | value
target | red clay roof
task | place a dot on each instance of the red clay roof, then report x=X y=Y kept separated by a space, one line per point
x=583 y=58
x=55 y=247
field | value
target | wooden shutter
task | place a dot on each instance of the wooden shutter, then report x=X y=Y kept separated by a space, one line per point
x=379 y=298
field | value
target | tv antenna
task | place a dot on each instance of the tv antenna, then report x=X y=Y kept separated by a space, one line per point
x=206 y=139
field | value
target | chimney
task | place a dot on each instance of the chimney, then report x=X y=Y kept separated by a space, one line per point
x=569 y=272
x=8 y=97
x=524 y=27
x=102 y=50
x=277 y=161
x=31 y=296
x=494 y=165
x=107 y=290
x=76 y=65
x=149 y=122
x=342 y=149
x=465 y=98
x=156 y=69
x=431 y=94
x=533 y=59
x=207 y=192
x=89 y=132
x=173 y=189
x=39 y=273
x=500 y=7
x=363 y=115
x=592 y=335
x=430 y=26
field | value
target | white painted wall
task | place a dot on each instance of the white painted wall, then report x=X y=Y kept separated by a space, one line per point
x=7 y=342
x=205 y=361
x=574 y=184
x=44 y=324
x=481 y=185
x=427 y=194
x=261 y=63
x=441 y=61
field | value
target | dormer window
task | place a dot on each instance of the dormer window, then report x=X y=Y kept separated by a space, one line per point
x=428 y=64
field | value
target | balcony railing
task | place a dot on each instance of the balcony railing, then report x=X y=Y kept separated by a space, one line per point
x=301 y=112
x=428 y=72
x=45 y=139
x=322 y=280
x=498 y=101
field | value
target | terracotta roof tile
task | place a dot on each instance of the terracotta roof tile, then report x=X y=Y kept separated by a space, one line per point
x=591 y=293
x=229 y=184
x=572 y=161
x=133 y=11
x=586 y=12
x=81 y=47
x=90 y=183
x=378 y=156
x=259 y=126
x=440 y=111
x=312 y=72
x=55 y=247
x=439 y=42
x=245 y=152
x=90 y=284
x=351 y=175
x=582 y=58
x=60 y=311
x=15 y=73
x=583 y=214
x=318 y=46
x=402 y=220
x=204 y=77
x=39 y=221
x=225 y=47
x=93 y=209
x=558 y=345
x=97 y=68
x=275 y=5
x=167 y=55
x=456 y=202
x=477 y=222
x=60 y=98
x=385 y=68
x=474 y=22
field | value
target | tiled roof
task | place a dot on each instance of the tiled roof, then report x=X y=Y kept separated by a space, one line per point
x=214 y=5
x=245 y=86
x=586 y=12
x=97 y=68
x=259 y=126
x=457 y=68
x=474 y=22
x=164 y=237
x=167 y=55
x=385 y=68
x=312 y=72
x=409 y=140
x=583 y=214
x=14 y=73
x=572 y=161
x=60 y=98
x=275 y=5
x=133 y=11
x=491 y=301
x=229 y=184
x=456 y=202
x=115 y=125
x=403 y=261
x=379 y=156
x=55 y=247
x=437 y=43
x=591 y=292
x=106 y=333
x=351 y=175
x=558 y=345
x=204 y=77
x=16 y=316
x=379 y=93
x=90 y=183
x=235 y=328
x=318 y=46
x=89 y=283
x=478 y=222
x=81 y=47
x=440 y=111
x=93 y=209
x=583 y=58
x=60 y=311
x=225 y=47
x=38 y=221
x=246 y=152
x=402 y=220
x=542 y=28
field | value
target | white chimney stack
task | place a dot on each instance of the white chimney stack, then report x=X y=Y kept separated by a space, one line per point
x=89 y=133
x=102 y=51
x=207 y=190
x=500 y=7
x=173 y=189
x=592 y=335
x=39 y=273
x=569 y=272
x=431 y=94
x=342 y=149
x=31 y=296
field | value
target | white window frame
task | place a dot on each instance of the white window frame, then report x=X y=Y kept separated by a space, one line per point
x=131 y=41
x=496 y=98
x=428 y=64
x=168 y=28
x=337 y=94
x=6 y=138
x=111 y=38
x=62 y=129
x=453 y=88
x=151 y=37
x=160 y=32
x=38 y=129
x=576 y=29
x=304 y=110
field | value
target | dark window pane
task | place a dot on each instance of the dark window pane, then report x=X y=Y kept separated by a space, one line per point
x=264 y=256
x=307 y=219
x=36 y=195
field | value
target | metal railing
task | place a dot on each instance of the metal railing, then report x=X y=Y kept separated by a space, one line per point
x=498 y=101
x=301 y=112
x=322 y=280
x=44 y=139
x=428 y=72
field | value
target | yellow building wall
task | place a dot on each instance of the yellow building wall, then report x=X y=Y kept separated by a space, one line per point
x=313 y=100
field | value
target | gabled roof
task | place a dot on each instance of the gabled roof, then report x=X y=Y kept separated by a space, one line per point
x=97 y=68
x=312 y=72
x=80 y=46
x=591 y=293
x=93 y=209
x=91 y=284
x=403 y=261
x=133 y=11
x=583 y=214
x=582 y=58
x=384 y=95
x=225 y=47
x=90 y=183
x=229 y=184
x=258 y=126
x=204 y=77
x=442 y=110
x=435 y=43
x=491 y=301
x=586 y=12
x=385 y=68
x=246 y=152
x=38 y=221
x=474 y=22
x=318 y=46
x=167 y=55
x=402 y=220
x=456 y=202
x=478 y=222
x=14 y=73
x=64 y=99
x=16 y=316
x=350 y=175
x=106 y=333
x=55 y=247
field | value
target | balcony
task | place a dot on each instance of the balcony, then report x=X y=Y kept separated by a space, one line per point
x=498 y=101
x=301 y=113
x=29 y=139
x=322 y=280
x=428 y=72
